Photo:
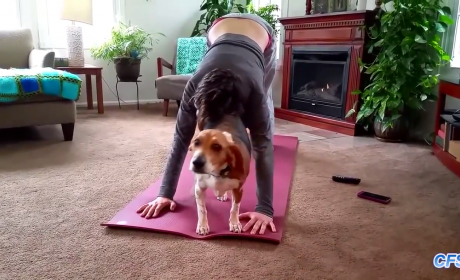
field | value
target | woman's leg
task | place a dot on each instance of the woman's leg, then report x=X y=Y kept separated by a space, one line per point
x=270 y=70
x=272 y=110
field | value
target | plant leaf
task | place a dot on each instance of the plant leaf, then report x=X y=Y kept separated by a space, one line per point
x=382 y=109
x=350 y=113
x=386 y=125
x=379 y=43
x=446 y=10
x=371 y=48
x=446 y=19
x=368 y=112
x=395 y=117
x=440 y=28
x=419 y=39
x=359 y=116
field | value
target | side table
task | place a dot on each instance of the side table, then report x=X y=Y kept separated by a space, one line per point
x=447 y=87
x=88 y=71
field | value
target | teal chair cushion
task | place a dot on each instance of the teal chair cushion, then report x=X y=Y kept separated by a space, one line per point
x=190 y=52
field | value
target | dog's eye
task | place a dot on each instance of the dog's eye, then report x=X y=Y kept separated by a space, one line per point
x=216 y=147
x=197 y=142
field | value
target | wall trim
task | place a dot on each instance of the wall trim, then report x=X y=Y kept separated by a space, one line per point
x=126 y=102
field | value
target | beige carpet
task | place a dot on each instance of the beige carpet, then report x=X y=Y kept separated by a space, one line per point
x=54 y=194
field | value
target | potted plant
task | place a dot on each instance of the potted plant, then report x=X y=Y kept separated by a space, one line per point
x=406 y=45
x=126 y=47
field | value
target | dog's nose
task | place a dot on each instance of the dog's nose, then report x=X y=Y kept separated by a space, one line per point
x=199 y=162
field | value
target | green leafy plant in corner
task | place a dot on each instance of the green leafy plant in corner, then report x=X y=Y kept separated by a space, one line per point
x=406 y=43
x=126 y=41
x=268 y=13
x=212 y=10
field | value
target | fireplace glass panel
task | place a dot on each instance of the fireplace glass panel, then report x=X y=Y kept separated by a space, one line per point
x=319 y=77
x=319 y=80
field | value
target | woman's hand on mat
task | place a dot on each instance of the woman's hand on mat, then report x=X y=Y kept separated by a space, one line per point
x=258 y=222
x=153 y=208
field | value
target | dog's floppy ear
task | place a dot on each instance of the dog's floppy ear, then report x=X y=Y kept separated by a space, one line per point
x=234 y=159
x=236 y=162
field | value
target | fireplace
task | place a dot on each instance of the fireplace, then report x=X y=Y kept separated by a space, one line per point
x=321 y=70
x=319 y=80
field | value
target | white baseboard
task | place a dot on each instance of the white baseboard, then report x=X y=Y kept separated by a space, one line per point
x=125 y=102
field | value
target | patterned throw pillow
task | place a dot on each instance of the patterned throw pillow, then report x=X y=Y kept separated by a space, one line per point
x=190 y=52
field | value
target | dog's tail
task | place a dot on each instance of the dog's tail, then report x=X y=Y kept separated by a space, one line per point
x=218 y=94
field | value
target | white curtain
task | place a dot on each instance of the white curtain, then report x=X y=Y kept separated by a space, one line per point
x=52 y=30
x=9 y=14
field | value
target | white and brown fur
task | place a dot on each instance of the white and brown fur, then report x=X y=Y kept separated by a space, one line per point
x=225 y=158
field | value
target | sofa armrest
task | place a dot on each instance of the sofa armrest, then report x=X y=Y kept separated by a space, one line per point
x=41 y=58
x=163 y=63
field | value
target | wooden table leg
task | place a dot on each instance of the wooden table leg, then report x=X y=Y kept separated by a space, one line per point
x=89 y=92
x=100 y=94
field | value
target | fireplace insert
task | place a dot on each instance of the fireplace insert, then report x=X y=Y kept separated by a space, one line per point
x=319 y=80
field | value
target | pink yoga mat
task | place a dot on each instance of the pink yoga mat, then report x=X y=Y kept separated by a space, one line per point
x=184 y=218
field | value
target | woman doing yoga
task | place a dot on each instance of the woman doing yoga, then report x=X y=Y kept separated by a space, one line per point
x=241 y=59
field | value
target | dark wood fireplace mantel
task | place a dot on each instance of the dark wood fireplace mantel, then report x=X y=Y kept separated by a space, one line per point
x=343 y=29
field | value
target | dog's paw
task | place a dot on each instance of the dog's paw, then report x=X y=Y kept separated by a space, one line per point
x=235 y=226
x=202 y=229
x=223 y=197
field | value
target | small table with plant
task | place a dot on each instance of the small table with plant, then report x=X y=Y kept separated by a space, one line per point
x=126 y=47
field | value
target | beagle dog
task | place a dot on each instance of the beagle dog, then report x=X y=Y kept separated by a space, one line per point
x=222 y=148
x=220 y=160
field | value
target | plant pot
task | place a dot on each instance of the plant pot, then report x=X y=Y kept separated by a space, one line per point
x=128 y=69
x=397 y=133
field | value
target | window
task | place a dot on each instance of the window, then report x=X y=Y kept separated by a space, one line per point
x=456 y=49
x=52 y=30
x=9 y=14
x=262 y=3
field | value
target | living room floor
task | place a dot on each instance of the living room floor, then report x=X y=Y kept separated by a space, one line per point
x=54 y=195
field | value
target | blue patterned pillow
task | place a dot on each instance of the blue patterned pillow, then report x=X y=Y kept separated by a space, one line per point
x=190 y=52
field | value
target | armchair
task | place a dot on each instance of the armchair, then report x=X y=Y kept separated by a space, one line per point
x=189 y=53
x=17 y=51
x=170 y=86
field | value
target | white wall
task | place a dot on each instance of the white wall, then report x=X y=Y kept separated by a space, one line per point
x=174 y=18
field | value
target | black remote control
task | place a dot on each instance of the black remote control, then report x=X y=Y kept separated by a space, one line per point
x=346 y=180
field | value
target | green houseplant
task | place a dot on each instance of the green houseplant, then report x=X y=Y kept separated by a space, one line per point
x=126 y=47
x=406 y=45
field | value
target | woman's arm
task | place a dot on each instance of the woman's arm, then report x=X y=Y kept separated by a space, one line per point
x=185 y=129
x=258 y=120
